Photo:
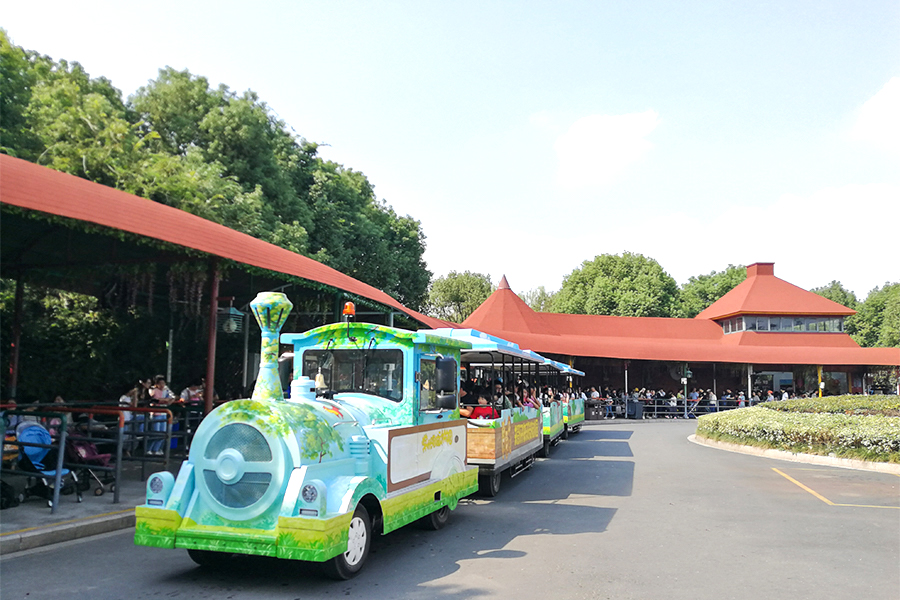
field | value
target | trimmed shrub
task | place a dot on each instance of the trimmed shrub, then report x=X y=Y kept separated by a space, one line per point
x=849 y=427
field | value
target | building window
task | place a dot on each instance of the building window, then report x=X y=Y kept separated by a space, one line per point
x=791 y=324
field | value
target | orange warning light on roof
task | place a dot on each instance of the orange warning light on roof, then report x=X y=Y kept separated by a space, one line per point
x=349 y=309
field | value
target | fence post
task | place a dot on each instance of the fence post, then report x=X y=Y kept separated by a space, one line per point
x=119 y=441
x=60 y=455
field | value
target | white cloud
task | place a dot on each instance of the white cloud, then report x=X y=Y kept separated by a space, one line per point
x=878 y=121
x=844 y=233
x=597 y=149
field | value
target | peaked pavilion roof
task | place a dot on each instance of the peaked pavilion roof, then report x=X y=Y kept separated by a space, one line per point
x=764 y=294
x=506 y=315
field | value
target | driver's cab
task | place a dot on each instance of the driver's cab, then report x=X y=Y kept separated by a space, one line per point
x=396 y=377
x=437 y=382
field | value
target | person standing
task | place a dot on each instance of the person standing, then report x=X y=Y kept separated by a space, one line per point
x=160 y=395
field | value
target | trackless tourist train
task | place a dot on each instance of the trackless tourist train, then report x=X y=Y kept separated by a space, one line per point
x=369 y=439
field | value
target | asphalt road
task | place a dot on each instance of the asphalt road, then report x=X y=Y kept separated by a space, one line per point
x=621 y=510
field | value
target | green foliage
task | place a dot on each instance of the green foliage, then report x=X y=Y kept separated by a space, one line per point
x=539 y=299
x=456 y=296
x=627 y=285
x=212 y=152
x=847 y=404
x=74 y=346
x=866 y=437
x=836 y=292
x=17 y=77
x=701 y=291
x=877 y=321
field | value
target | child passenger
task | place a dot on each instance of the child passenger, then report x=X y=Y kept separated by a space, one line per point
x=482 y=411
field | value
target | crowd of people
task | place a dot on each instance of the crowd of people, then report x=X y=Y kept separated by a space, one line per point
x=155 y=392
x=486 y=401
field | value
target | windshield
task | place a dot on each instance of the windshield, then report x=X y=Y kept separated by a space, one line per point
x=377 y=372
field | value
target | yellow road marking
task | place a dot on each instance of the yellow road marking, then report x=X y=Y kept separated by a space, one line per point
x=109 y=514
x=803 y=487
x=823 y=498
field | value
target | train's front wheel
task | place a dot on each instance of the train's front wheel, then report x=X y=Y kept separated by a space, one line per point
x=211 y=559
x=359 y=540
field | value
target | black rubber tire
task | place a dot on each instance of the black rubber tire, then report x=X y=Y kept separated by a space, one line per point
x=99 y=491
x=348 y=564
x=210 y=559
x=437 y=519
x=544 y=452
x=489 y=485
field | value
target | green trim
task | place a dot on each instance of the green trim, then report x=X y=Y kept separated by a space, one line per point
x=411 y=506
x=574 y=420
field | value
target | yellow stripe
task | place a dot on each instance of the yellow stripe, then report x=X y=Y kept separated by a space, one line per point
x=813 y=492
x=109 y=514
x=826 y=500
x=868 y=506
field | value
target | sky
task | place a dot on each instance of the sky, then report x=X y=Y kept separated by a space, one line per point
x=528 y=137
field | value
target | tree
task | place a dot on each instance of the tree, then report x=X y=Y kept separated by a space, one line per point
x=457 y=295
x=627 y=285
x=836 y=292
x=877 y=321
x=17 y=77
x=702 y=291
x=539 y=299
x=220 y=155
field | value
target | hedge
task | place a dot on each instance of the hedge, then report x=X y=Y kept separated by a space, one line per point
x=848 y=426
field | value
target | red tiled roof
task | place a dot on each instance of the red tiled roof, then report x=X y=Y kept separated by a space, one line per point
x=764 y=294
x=506 y=315
x=38 y=188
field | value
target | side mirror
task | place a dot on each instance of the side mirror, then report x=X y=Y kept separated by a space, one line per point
x=446 y=401
x=447 y=375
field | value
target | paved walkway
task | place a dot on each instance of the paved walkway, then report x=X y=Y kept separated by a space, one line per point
x=30 y=525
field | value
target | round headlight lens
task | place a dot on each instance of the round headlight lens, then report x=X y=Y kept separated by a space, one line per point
x=156 y=485
x=309 y=493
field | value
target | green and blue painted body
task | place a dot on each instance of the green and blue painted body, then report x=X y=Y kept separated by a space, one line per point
x=553 y=421
x=282 y=477
x=573 y=413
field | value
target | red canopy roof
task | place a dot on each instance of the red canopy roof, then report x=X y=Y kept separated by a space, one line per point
x=764 y=294
x=505 y=315
x=38 y=188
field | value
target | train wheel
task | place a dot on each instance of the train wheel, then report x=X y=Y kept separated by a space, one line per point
x=544 y=452
x=437 y=519
x=210 y=559
x=489 y=485
x=359 y=540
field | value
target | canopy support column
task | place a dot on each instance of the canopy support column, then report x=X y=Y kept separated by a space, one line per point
x=16 y=338
x=749 y=383
x=209 y=388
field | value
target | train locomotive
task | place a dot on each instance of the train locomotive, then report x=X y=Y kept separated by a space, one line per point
x=369 y=440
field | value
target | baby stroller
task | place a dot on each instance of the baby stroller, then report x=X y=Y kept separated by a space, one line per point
x=41 y=461
x=82 y=455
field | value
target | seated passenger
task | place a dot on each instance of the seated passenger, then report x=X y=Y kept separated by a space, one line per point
x=482 y=411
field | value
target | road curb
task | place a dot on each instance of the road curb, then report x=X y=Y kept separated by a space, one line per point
x=36 y=537
x=810 y=459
